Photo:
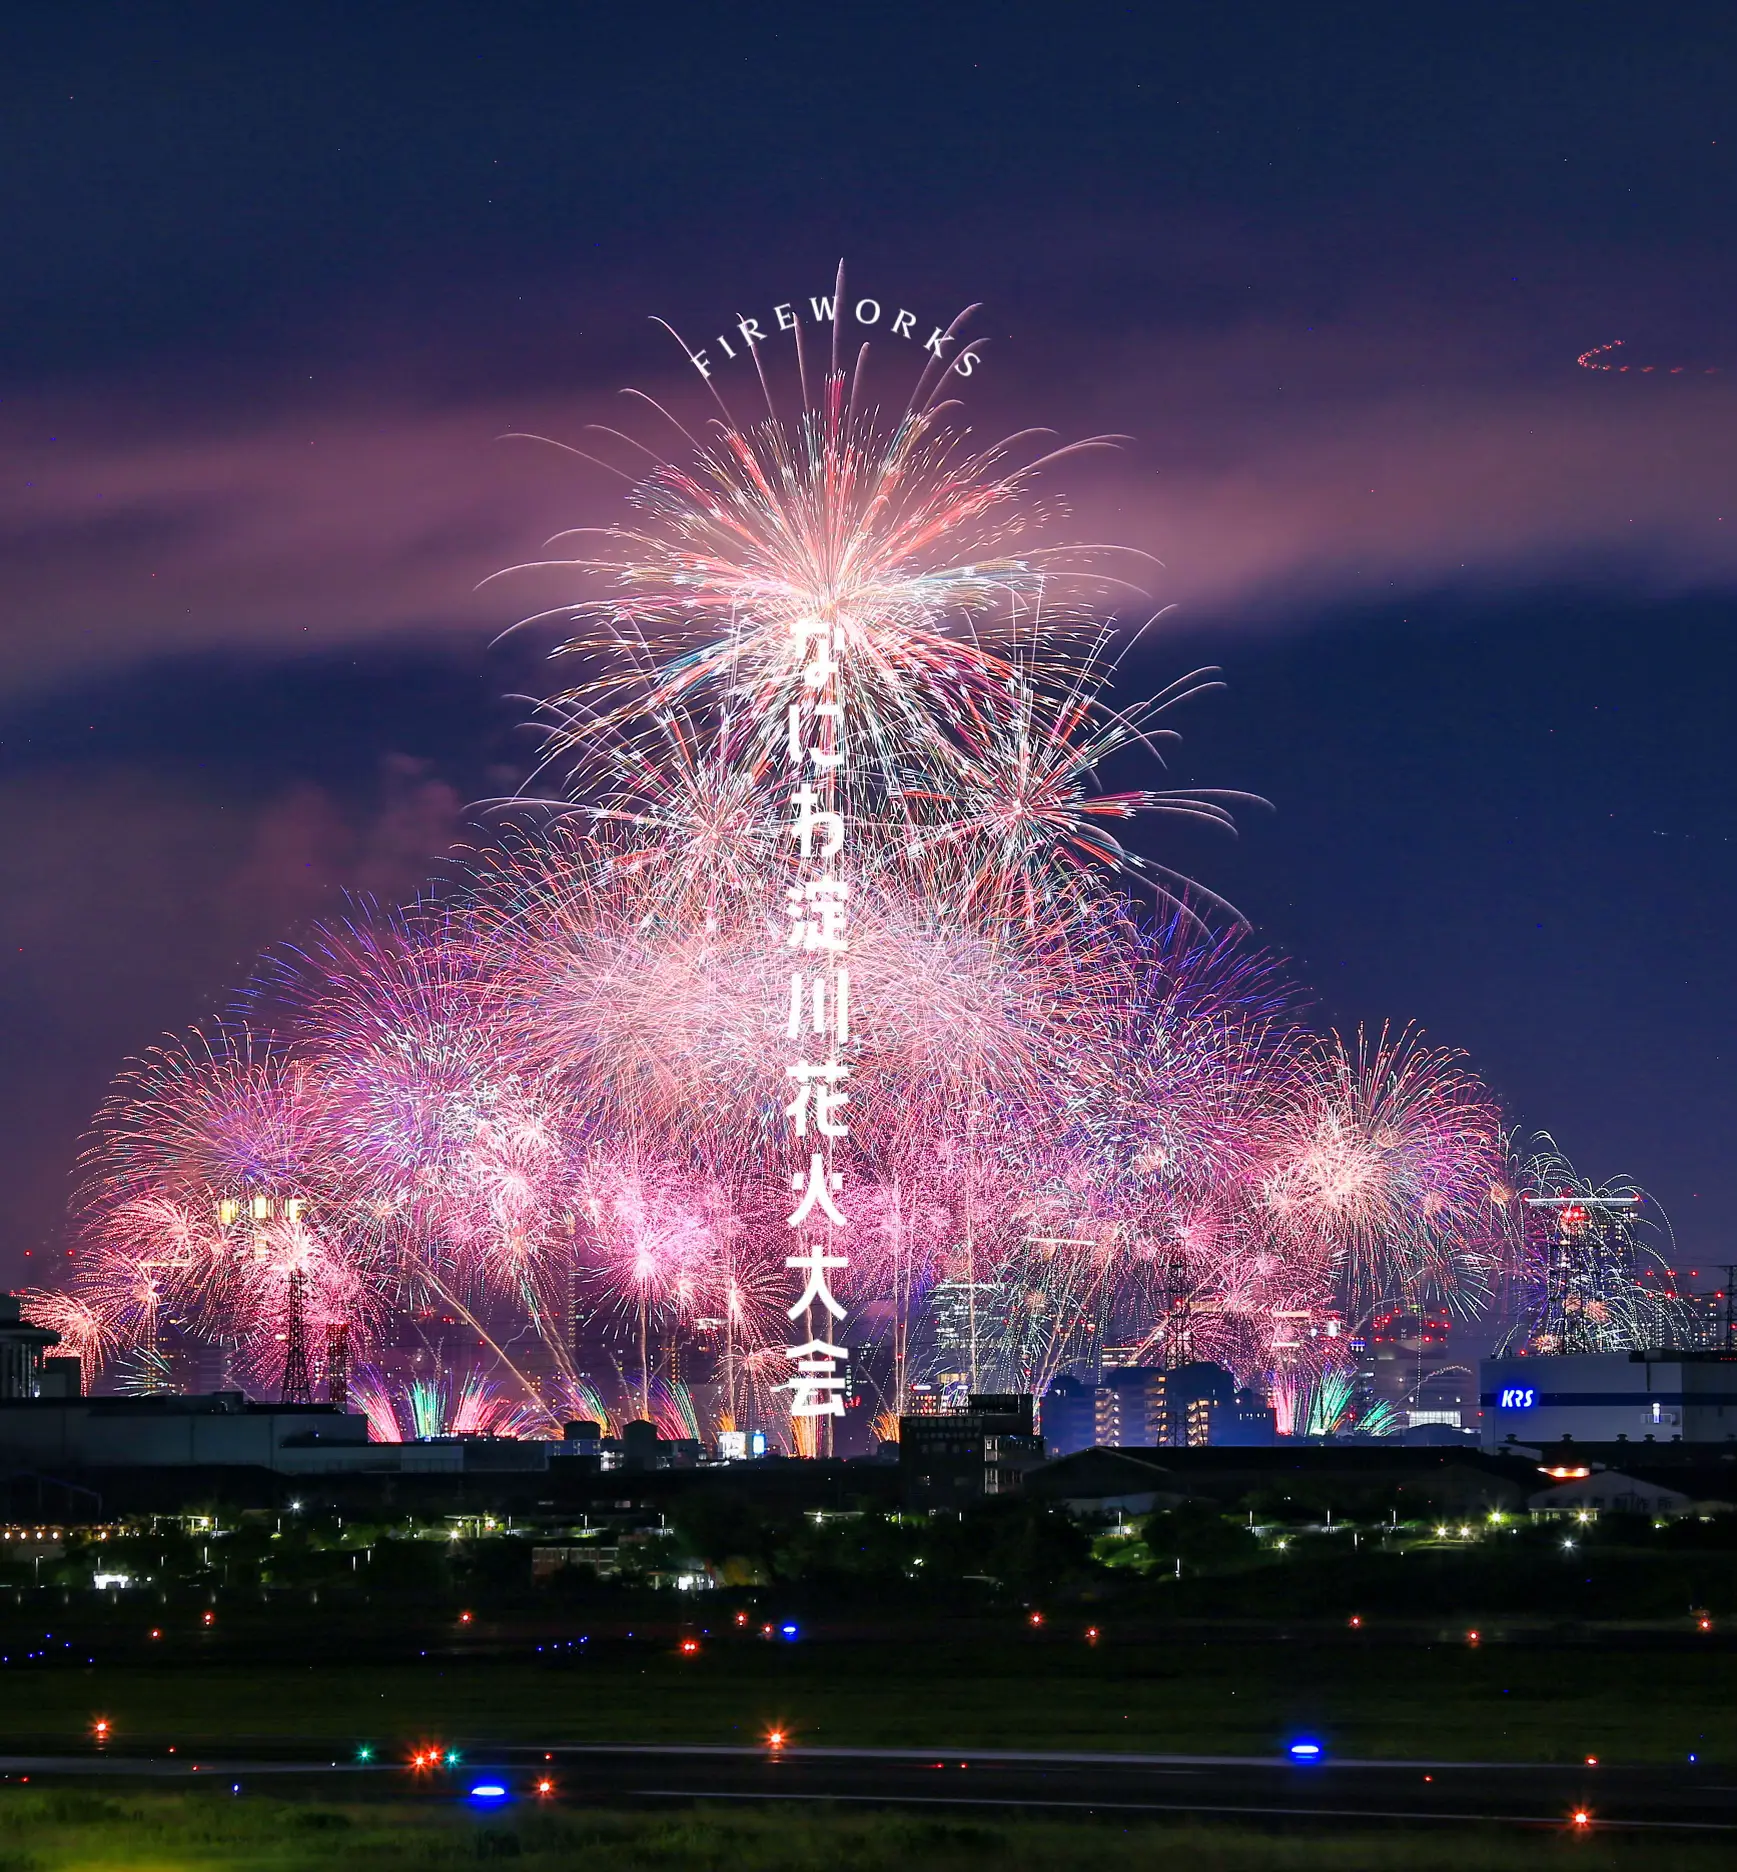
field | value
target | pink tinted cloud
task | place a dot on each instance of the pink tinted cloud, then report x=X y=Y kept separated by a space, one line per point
x=1270 y=475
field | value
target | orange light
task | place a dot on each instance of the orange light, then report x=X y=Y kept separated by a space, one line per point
x=1582 y=1817
x=775 y=1738
x=100 y=1728
x=545 y=1787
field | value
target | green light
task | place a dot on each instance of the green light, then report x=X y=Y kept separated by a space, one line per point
x=364 y=1753
x=451 y=1757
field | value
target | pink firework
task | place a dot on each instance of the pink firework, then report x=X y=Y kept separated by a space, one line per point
x=1388 y=1161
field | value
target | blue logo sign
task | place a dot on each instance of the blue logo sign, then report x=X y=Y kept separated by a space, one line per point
x=1516 y=1397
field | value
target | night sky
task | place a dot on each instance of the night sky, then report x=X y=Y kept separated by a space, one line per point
x=277 y=278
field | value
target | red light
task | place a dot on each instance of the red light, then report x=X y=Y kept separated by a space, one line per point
x=1356 y=1624
x=1592 y=1761
x=1581 y=1817
x=775 y=1738
x=1037 y=1618
x=741 y=1618
x=1471 y=1637
x=1706 y=1624
x=464 y=1618
x=690 y=1646
x=210 y=1618
x=1091 y=1634
x=545 y=1788
x=156 y=1634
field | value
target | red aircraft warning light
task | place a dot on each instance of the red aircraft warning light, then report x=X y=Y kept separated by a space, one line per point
x=690 y=1647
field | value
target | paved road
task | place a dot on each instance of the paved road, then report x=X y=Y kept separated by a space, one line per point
x=1685 y=1797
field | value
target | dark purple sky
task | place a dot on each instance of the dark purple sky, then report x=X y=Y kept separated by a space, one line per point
x=278 y=277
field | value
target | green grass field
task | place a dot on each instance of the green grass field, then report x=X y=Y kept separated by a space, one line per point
x=79 y=1832
x=1446 y=1700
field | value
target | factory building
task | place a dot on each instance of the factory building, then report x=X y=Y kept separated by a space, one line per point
x=225 y=1430
x=1609 y=1397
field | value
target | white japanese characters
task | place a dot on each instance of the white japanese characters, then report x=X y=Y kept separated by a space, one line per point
x=818 y=906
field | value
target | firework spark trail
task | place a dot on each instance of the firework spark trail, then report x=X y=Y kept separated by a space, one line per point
x=1602 y=358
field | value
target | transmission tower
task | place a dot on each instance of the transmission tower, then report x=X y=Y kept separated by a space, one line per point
x=1178 y=1314
x=297 y=1387
x=338 y=1363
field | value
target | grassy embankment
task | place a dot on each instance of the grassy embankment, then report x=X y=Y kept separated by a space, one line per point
x=1366 y=1694
x=78 y=1832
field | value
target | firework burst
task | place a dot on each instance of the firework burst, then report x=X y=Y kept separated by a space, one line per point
x=539 y=1108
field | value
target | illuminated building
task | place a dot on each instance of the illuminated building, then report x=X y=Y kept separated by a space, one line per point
x=1185 y=1407
x=962 y=1316
x=1403 y=1373
x=1131 y=1408
x=1709 y=1319
x=1605 y=1397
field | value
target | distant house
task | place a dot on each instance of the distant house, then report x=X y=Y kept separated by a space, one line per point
x=1609 y=1488
x=1105 y=1481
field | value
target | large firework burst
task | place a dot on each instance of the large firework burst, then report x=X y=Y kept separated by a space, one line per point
x=1082 y=1125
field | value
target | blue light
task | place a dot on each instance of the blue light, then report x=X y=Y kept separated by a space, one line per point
x=489 y=1791
x=1305 y=1751
x=789 y=1631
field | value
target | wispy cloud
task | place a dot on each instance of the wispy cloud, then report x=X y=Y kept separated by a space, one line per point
x=1273 y=472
